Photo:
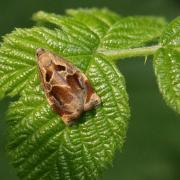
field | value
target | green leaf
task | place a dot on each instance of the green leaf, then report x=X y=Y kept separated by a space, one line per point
x=40 y=145
x=116 y=33
x=121 y=33
x=98 y=21
x=39 y=139
x=167 y=65
x=132 y=32
x=76 y=40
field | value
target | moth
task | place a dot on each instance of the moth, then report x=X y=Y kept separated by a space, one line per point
x=67 y=89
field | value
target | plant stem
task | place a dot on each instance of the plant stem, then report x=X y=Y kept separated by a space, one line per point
x=126 y=53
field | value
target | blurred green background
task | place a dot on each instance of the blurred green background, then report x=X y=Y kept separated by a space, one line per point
x=152 y=148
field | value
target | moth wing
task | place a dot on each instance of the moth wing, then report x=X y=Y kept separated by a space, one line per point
x=91 y=98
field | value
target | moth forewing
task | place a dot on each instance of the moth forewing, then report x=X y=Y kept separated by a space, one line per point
x=67 y=89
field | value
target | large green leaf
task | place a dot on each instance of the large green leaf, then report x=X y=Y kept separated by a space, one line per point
x=167 y=65
x=37 y=135
x=120 y=33
x=40 y=145
x=72 y=38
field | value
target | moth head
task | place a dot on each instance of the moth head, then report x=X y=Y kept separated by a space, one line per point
x=44 y=58
x=39 y=52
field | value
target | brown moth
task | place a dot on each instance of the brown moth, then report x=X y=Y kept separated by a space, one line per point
x=67 y=89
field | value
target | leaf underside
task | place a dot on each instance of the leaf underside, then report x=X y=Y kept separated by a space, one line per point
x=40 y=145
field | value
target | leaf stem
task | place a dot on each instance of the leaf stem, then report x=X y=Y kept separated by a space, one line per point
x=126 y=53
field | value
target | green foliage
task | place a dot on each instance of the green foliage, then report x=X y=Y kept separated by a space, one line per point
x=167 y=65
x=40 y=145
x=125 y=33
